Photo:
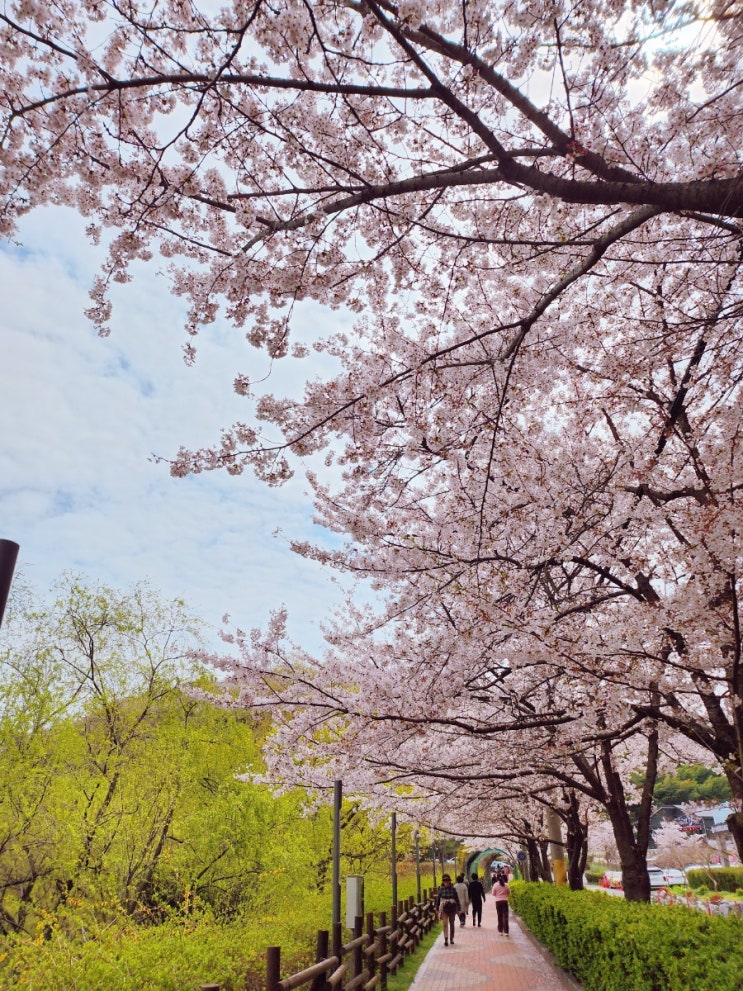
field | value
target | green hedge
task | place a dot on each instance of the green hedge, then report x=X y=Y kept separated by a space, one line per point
x=610 y=944
x=716 y=878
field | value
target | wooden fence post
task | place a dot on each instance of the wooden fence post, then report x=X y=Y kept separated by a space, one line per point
x=323 y=941
x=358 y=951
x=394 y=938
x=371 y=936
x=273 y=967
x=338 y=939
x=384 y=946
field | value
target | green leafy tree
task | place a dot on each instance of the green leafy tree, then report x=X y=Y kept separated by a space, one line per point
x=688 y=784
x=129 y=795
x=85 y=684
x=30 y=762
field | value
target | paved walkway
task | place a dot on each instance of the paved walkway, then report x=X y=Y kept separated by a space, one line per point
x=482 y=959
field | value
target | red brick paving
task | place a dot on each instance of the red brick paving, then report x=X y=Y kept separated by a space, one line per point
x=482 y=960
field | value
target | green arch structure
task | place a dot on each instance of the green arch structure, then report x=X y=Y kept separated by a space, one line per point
x=479 y=859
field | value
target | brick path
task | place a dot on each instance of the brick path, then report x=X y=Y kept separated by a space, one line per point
x=483 y=960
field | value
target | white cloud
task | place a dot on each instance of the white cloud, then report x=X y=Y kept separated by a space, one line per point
x=80 y=418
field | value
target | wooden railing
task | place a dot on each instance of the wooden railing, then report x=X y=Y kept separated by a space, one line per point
x=363 y=963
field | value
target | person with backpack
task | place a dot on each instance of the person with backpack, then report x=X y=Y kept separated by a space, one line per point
x=447 y=905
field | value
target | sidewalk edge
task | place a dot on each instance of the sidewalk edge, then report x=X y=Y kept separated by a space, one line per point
x=547 y=956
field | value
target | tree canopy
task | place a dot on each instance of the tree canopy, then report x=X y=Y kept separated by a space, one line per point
x=691 y=784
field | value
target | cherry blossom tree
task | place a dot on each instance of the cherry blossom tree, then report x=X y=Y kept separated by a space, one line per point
x=532 y=447
x=674 y=847
x=470 y=748
x=602 y=843
x=451 y=171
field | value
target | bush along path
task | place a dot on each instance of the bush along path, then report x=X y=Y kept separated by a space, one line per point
x=612 y=945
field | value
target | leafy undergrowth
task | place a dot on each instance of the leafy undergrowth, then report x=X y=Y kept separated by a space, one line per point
x=170 y=957
x=181 y=954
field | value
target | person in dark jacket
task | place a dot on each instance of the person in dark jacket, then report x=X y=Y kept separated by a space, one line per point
x=477 y=896
x=447 y=905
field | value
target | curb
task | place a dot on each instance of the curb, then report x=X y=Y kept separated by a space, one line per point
x=547 y=956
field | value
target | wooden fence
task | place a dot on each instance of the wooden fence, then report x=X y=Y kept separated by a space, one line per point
x=363 y=963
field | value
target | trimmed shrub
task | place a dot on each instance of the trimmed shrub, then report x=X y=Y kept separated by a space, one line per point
x=593 y=877
x=716 y=878
x=610 y=944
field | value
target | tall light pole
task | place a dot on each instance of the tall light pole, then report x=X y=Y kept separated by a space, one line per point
x=393 y=854
x=337 y=802
x=8 y=555
x=417 y=865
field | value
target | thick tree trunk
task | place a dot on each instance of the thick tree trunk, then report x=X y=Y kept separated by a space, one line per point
x=635 y=880
x=632 y=837
x=537 y=866
x=531 y=872
x=536 y=860
x=735 y=825
x=632 y=856
x=545 y=872
x=576 y=841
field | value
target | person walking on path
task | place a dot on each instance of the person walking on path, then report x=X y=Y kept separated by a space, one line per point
x=476 y=894
x=447 y=904
x=500 y=893
x=464 y=899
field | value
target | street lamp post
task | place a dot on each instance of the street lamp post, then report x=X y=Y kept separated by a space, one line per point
x=394 y=858
x=8 y=555
x=417 y=865
x=337 y=804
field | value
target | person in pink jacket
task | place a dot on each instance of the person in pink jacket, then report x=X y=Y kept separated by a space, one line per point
x=500 y=892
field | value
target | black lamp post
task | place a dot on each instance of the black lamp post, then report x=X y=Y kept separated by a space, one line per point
x=8 y=554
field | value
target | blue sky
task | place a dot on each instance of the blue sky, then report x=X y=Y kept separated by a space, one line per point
x=81 y=416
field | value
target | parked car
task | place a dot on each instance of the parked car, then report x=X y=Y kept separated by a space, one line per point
x=665 y=877
x=657 y=878
x=674 y=875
